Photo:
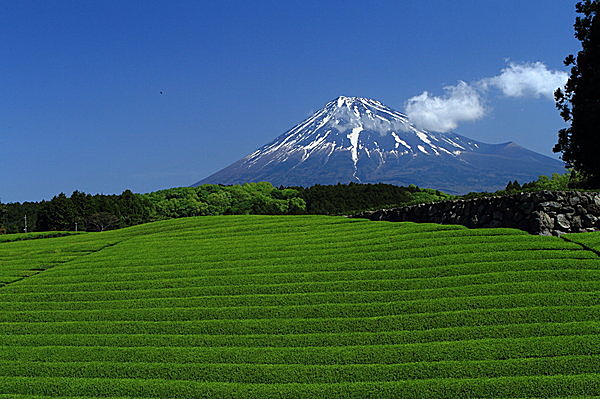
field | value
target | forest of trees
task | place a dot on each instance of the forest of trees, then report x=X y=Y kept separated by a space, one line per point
x=351 y=198
x=99 y=212
x=86 y=212
x=80 y=211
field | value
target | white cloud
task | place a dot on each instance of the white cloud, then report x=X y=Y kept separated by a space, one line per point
x=442 y=114
x=464 y=102
x=527 y=80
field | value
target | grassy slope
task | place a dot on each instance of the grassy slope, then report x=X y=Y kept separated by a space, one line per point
x=307 y=306
x=588 y=240
x=35 y=235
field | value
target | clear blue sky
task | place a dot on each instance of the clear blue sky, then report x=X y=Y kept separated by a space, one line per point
x=80 y=102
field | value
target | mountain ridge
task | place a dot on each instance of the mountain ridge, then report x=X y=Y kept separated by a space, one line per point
x=355 y=139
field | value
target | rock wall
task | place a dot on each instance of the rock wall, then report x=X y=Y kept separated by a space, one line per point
x=542 y=212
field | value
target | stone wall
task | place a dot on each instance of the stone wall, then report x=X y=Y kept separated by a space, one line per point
x=542 y=212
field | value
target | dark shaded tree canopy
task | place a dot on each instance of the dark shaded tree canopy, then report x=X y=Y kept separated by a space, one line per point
x=343 y=199
x=579 y=102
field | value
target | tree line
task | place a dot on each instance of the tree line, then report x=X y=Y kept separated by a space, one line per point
x=343 y=199
x=87 y=212
x=80 y=211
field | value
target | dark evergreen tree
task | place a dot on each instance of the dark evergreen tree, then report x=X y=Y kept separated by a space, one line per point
x=83 y=207
x=579 y=102
x=57 y=214
x=513 y=186
x=134 y=208
x=3 y=228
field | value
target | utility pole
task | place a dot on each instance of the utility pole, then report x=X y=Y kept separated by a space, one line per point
x=25 y=229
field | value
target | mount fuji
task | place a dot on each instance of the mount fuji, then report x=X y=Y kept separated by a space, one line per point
x=360 y=140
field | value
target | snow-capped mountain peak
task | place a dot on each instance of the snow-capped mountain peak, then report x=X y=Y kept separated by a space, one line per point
x=362 y=128
x=361 y=140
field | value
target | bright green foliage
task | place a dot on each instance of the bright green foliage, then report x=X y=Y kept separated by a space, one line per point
x=589 y=240
x=556 y=182
x=568 y=181
x=213 y=199
x=299 y=307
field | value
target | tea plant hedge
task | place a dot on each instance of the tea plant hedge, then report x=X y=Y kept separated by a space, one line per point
x=299 y=307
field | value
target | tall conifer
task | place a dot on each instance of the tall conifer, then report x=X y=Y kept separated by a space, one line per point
x=579 y=102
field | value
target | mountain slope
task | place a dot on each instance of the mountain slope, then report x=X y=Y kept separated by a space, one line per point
x=362 y=140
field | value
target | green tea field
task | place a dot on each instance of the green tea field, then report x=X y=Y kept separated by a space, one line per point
x=299 y=307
